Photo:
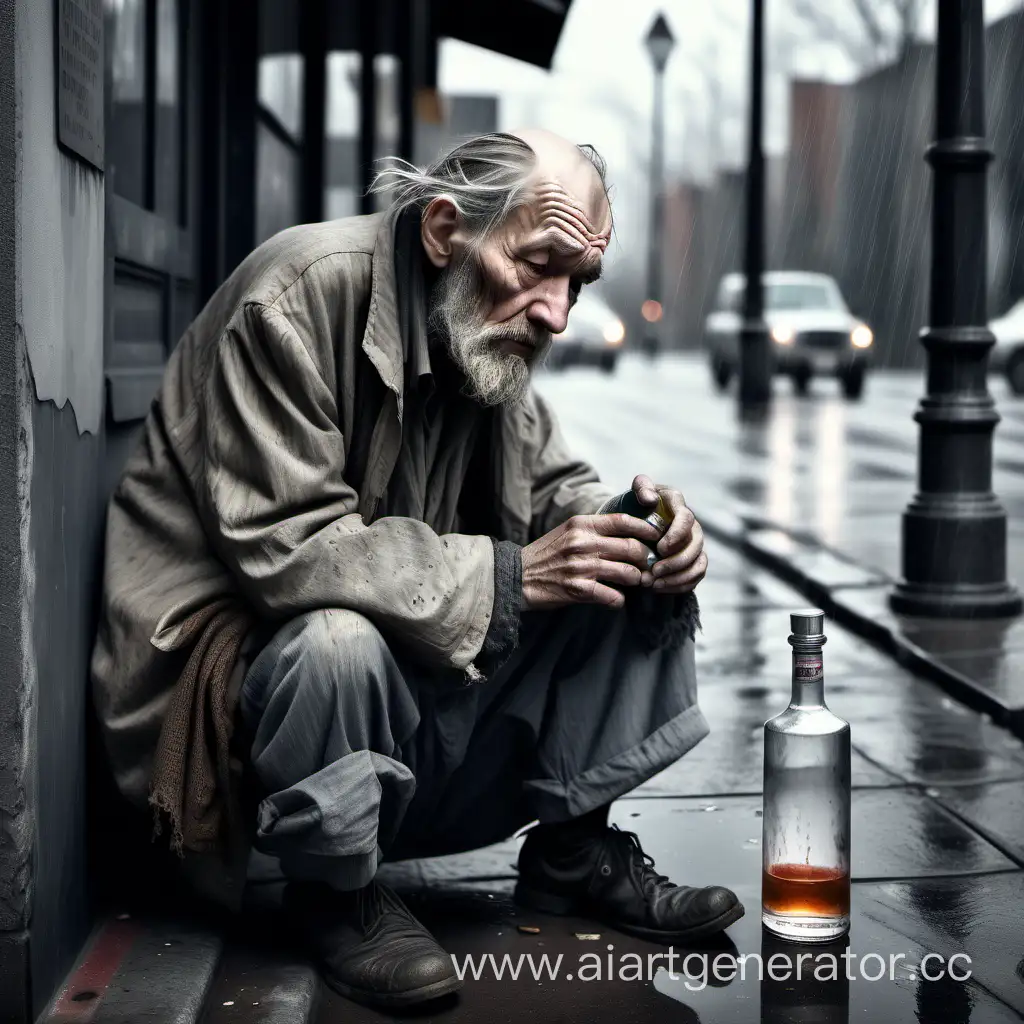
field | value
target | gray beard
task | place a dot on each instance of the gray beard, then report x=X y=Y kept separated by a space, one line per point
x=492 y=377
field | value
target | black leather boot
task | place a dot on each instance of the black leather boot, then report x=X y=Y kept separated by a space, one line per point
x=368 y=945
x=608 y=877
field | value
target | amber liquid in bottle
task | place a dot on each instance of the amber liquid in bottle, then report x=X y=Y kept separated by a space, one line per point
x=805 y=889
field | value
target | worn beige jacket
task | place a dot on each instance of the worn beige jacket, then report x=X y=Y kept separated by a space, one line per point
x=262 y=461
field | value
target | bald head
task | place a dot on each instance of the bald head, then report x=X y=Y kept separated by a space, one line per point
x=563 y=162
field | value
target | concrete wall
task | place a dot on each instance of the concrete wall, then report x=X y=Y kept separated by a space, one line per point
x=16 y=694
x=51 y=417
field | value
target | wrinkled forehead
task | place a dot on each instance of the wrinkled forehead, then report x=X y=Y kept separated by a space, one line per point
x=572 y=218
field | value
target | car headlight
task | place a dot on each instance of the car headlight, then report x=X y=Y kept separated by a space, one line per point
x=614 y=332
x=861 y=336
x=783 y=335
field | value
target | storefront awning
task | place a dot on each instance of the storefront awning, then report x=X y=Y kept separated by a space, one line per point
x=525 y=29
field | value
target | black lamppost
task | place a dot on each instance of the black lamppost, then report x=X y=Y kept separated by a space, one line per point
x=954 y=530
x=660 y=43
x=755 y=356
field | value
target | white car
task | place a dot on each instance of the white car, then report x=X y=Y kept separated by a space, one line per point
x=592 y=337
x=813 y=332
x=1007 y=355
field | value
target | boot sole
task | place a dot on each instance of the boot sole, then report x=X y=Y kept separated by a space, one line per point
x=562 y=906
x=424 y=994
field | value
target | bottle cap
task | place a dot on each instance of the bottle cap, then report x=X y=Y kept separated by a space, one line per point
x=809 y=622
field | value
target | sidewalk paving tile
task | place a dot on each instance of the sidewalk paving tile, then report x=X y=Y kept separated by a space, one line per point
x=935 y=745
x=981 y=917
x=996 y=810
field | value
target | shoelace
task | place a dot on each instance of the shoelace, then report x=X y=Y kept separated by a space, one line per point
x=643 y=860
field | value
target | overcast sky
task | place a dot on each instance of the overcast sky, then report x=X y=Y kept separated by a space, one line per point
x=600 y=89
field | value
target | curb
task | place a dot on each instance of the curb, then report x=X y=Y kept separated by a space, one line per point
x=735 y=532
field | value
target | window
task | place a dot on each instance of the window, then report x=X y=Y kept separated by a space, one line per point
x=342 y=168
x=147 y=119
x=800 y=295
x=278 y=143
x=152 y=297
x=782 y=295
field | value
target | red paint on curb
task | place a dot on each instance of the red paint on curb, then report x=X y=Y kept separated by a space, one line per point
x=84 y=990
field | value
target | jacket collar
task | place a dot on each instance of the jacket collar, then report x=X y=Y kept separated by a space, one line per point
x=395 y=338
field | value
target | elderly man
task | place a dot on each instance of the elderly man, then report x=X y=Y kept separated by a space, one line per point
x=361 y=603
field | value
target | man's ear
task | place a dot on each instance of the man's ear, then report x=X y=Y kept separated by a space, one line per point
x=439 y=222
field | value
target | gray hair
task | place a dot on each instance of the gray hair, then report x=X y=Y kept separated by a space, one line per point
x=485 y=178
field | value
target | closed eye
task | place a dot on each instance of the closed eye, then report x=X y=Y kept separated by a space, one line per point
x=536 y=268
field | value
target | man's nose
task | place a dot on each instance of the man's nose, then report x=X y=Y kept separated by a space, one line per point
x=549 y=307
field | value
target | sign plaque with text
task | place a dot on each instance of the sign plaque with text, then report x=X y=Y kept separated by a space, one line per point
x=80 y=78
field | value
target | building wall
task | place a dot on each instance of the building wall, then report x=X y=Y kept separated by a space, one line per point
x=60 y=240
x=16 y=698
x=52 y=380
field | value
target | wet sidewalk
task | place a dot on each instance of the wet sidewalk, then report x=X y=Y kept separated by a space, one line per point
x=815 y=494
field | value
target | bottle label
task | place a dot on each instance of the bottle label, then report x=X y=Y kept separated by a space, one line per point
x=807 y=668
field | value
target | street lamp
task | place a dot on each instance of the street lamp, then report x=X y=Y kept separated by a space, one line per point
x=954 y=529
x=660 y=43
x=755 y=356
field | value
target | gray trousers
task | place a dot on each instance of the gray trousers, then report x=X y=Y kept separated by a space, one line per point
x=362 y=754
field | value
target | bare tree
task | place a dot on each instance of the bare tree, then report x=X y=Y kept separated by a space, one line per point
x=871 y=32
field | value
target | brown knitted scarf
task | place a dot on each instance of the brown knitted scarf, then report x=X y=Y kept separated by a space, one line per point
x=191 y=782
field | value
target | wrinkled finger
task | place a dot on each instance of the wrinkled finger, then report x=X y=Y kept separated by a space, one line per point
x=621 y=524
x=624 y=549
x=683 y=582
x=679 y=532
x=590 y=591
x=682 y=560
x=619 y=573
x=644 y=489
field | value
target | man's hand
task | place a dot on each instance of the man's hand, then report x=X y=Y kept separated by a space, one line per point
x=572 y=563
x=682 y=563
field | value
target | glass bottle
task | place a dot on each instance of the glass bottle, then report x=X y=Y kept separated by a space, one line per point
x=805 y=894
